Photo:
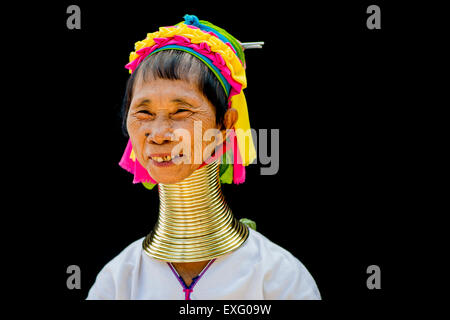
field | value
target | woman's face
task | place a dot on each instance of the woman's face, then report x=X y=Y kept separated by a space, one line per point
x=159 y=109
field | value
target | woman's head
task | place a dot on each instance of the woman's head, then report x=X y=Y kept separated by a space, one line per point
x=171 y=92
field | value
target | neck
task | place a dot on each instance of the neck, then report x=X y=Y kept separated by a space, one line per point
x=194 y=223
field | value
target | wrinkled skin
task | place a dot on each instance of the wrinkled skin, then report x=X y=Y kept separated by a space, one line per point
x=158 y=108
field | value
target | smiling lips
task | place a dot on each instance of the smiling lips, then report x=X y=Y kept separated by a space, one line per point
x=164 y=158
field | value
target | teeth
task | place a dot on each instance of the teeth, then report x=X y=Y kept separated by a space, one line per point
x=165 y=158
x=161 y=159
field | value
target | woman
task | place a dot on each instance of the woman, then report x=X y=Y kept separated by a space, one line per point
x=187 y=119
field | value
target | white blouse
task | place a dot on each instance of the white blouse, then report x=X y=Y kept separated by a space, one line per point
x=258 y=269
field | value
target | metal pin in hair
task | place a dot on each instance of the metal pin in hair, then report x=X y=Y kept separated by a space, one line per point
x=252 y=45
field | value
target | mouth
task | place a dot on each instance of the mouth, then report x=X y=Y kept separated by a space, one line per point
x=164 y=160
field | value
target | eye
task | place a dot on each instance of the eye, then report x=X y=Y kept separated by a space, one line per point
x=182 y=113
x=144 y=115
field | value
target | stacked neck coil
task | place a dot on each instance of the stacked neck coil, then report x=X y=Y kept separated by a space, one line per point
x=194 y=223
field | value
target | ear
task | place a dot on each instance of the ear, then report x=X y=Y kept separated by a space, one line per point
x=229 y=120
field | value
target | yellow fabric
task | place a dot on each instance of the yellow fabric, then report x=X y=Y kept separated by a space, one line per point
x=242 y=127
x=132 y=155
x=234 y=65
x=197 y=36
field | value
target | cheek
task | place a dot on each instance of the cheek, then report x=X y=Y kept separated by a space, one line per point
x=137 y=128
x=137 y=137
x=133 y=125
x=208 y=139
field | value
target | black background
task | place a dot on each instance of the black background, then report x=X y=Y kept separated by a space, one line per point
x=332 y=87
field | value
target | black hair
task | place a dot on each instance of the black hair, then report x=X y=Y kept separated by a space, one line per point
x=177 y=65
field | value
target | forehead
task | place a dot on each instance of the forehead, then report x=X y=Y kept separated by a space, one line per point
x=165 y=87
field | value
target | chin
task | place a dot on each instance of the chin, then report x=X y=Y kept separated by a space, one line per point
x=166 y=180
x=167 y=177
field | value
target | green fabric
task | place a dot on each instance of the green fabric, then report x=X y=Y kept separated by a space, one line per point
x=201 y=58
x=249 y=223
x=148 y=185
x=226 y=167
x=233 y=40
x=226 y=175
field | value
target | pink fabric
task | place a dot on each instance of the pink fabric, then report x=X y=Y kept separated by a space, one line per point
x=187 y=294
x=125 y=162
x=220 y=151
x=188 y=290
x=215 y=35
x=238 y=168
x=140 y=173
x=202 y=48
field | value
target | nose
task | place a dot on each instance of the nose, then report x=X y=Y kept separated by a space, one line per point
x=159 y=135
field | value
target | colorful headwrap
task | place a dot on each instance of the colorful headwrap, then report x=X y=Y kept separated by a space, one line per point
x=224 y=56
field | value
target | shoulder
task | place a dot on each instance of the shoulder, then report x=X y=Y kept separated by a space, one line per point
x=267 y=251
x=285 y=277
x=109 y=281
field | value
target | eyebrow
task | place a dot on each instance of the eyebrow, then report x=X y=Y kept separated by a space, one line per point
x=182 y=101
x=176 y=100
x=145 y=101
